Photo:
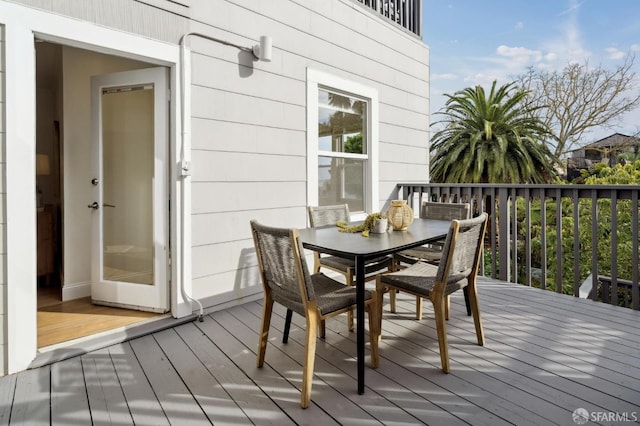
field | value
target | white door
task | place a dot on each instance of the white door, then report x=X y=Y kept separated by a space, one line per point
x=130 y=238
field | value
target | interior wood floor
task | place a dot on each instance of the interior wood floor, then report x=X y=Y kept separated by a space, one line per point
x=63 y=321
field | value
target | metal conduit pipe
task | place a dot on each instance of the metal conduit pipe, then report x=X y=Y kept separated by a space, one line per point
x=262 y=52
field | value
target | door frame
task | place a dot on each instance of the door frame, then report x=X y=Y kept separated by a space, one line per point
x=22 y=25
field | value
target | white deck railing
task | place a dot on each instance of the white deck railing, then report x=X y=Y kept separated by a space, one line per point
x=598 y=225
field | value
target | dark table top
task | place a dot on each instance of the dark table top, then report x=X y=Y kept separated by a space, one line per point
x=349 y=245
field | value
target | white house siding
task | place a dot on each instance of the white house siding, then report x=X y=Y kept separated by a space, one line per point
x=248 y=118
x=248 y=126
x=3 y=222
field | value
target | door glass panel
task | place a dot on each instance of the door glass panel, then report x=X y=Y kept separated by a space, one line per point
x=127 y=177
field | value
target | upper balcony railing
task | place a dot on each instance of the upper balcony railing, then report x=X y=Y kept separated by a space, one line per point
x=406 y=13
x=575 y=239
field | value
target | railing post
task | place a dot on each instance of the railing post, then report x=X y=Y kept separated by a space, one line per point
x=503 y=229
x=614 y=247
x=559 y=277
x=576 y=243
x=594 y=243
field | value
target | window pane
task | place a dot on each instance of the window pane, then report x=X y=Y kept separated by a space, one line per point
x=340 y=181
x=342 y=123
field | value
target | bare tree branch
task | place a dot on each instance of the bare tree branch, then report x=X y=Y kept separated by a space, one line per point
x=579 y=98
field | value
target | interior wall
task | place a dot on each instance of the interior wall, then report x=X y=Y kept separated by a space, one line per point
x=78 y=67
x=49 y=111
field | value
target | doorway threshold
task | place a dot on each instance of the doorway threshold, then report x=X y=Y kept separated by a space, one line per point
x=69 y=349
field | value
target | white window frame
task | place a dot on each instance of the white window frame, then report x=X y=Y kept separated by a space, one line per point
x=317 y=80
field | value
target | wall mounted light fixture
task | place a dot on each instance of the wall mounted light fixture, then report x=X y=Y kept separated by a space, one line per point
x=264 y=50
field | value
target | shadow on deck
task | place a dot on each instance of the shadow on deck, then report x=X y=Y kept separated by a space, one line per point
x=546 y=355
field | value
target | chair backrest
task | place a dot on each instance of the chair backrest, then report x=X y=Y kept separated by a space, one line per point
x=462 y=249
x=445 y=211
x=328 y=215
x=283 y=268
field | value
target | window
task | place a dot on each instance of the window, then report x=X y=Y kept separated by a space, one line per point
x=341 y=143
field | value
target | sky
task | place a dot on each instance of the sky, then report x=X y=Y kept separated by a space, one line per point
x=476 y=42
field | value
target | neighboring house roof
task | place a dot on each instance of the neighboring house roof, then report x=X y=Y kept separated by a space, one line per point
x=609 y=142
x=616 y=142
x=605 y=150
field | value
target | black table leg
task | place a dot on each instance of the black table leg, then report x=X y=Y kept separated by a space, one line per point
x=287 y=326
x=360 y=320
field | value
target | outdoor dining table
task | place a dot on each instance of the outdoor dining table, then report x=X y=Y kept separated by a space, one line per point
x=361 y=249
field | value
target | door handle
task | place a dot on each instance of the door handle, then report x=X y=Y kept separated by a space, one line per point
x=94 y=206
x=107 y=205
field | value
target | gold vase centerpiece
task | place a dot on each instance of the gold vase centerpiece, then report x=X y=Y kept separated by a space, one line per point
x=400 y=215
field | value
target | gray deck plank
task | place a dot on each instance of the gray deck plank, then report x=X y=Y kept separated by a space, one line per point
x=582 y=326
x=445 y=391
x=106 y=399
x=468 y=363
x=545 y=355
x=334 y=367
x=405 y=395
x=31 y=398
x=587 y=363
x=7 y=390
x=142 y=401
x=69 y=403
x=241 y=390
x=591 y=317
x=219 y=407
x=276 y=384
x=543 y=365
x=178 y=404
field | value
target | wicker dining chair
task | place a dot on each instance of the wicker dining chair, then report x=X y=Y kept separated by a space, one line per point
x=287 y=281
x=329 y=216
x=431 y=253
x=457 y=269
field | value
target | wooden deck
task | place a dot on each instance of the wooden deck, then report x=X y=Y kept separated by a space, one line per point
x=546 y=355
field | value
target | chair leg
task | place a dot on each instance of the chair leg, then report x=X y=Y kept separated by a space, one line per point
x=418 y=307
x=313 y=322
x=380 y=290
x=322 y=329
x=263 y=337
x=287 y=326
x=349 y=280
x=316 y=262
x=438 y=310
x=392 y=300
x=395 y=266
x=475 y=309
x=447 y=307
x=465 y=291
x=374 y=331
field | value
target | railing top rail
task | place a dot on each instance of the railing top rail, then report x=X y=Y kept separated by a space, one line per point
x=523 y=186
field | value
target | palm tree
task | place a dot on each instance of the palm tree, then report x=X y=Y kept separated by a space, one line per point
x=490 y=139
